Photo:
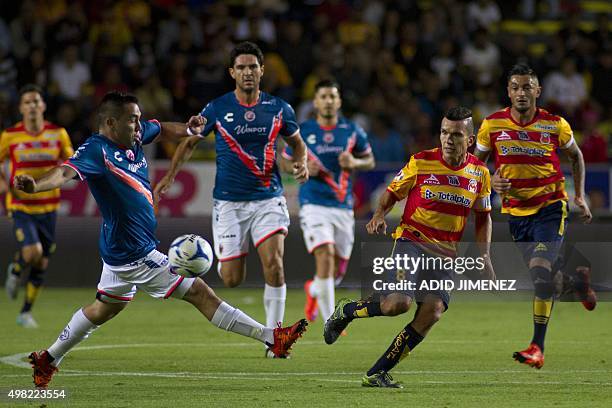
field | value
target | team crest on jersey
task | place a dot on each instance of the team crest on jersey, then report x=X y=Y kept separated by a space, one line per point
x=249 y=116
x=431 y=180
x=328 y=137
x=130 y=155
x=545 y=138
x=453 y=181
x=472 y=186
x=503 y=136
x=522 y=135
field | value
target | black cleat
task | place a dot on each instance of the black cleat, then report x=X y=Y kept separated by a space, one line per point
x=380 y=379
x=338 y=321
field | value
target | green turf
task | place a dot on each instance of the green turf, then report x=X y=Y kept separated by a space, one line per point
x=164 y=354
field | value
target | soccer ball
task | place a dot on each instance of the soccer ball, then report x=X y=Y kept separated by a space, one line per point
x=190 y=255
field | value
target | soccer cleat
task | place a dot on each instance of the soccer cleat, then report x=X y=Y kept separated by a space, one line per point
x=338 y=321
x=26 y=320
x=583 y=290
x=43 y=369
x=285 y=337
x=311 y=307
x=380 y=379
x=532 y=356
x=11 y=285
x=270 y=354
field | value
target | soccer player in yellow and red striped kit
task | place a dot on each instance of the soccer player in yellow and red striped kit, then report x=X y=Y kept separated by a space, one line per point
x=32 y=146
x=440 y=186
x=524 y=140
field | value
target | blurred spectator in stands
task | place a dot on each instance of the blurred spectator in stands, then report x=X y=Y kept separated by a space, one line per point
x=329 y=50
x=109 y=38
x=155 y=100
x=601 y=37
x=50 y=11
x=70 y=77
x=8 y=73
x=444 y=63
x=255 y=26
x=5 y=36
x=601 y=76
x=390 y=29
x=27 y=31
x=209 y=72
x=564 y=89
x=431 y=31
x=176 y=79
x=139 y=57
x=111 y=81
x=296 y=49
x=277 y=79
x=67 y=116
x=136 y=13
x=571 y=33
x=547 y=9
x=486 y=103
x=390 y=75
x=482 y=14
x=335 y=11
x=594 y=146
x=425 y=137
x=387 y=144
x=354 y=78
x=515 y=51
x=407 y=49
x=70 y=29
x=430 y=98
x=34 y=70
x=7 y=119
x=170 y=29
x=481 y=58
x=355 y=30
x=217 y=19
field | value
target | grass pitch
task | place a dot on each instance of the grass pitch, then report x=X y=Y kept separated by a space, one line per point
x=165 y=354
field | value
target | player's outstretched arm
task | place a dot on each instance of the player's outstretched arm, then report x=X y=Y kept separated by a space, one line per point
x=175 y=131
x=377 y=224
x=484 y=228
x=54 y=178
x=578 y=172
x=349 y=162
x=300 y=169
x=182 y=154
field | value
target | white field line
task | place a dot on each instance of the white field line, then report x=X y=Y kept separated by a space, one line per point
x=17 y=360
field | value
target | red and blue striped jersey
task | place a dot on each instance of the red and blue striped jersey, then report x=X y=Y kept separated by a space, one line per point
x=333 y=186
x=118 y=178
x=245 y=142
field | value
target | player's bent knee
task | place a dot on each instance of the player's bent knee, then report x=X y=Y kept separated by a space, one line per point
x=395 y=304
x=42 y=263
x=32 y=254
x=232 y=280
x=100 y=312
x=540 y=262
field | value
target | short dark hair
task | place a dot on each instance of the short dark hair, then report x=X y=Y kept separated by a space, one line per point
x=249 y=48
x=458 y=113
x=112 y=103
x=30 y=88
x=521 y=69
x=327 y=83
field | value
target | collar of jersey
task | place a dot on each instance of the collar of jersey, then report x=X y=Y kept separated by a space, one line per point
x=441 y=158
x=248 y=106
x=111 y=141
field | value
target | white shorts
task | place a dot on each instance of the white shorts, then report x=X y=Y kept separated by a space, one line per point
x=233 y=220
x=150 y=274
x=328 y=225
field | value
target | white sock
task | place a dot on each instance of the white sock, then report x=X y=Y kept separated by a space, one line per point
x=235 y=320
x=77 y=330
x=315 y=287
x=274 y=304
x=325 y=297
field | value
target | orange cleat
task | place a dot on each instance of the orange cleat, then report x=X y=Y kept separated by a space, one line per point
x=285 y=337
x=583 y=291
x=532 y=356
x=311 y=307
x=43 y=369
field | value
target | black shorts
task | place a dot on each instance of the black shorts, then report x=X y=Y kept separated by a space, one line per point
x=540 y=235
x=30 y=229
x=423 y=278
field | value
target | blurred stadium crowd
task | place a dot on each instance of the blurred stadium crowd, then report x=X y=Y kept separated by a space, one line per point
x=400 y=63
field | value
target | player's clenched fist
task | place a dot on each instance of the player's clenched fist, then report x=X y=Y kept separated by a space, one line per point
x=25 y=183
x=377 y=225
x=196 y=124
x=300 y=172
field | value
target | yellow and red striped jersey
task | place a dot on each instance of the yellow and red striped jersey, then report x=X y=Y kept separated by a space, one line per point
x=439 y=197
x=33 y=155
x=527 y=156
